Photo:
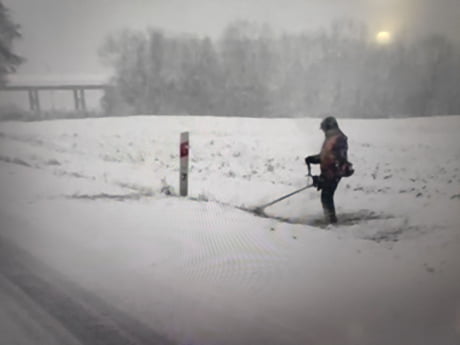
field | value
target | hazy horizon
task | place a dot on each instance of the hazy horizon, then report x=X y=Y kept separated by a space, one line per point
x=61 y=37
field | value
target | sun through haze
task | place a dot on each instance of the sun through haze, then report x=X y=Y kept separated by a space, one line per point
x=383 y=37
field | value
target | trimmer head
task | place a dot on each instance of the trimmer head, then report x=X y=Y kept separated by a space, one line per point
x=259 y=211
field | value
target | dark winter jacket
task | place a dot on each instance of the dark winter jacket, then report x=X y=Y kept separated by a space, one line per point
x=333 y=158
x=334 y=155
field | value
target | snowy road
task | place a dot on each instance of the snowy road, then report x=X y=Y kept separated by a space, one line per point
x=40 y=307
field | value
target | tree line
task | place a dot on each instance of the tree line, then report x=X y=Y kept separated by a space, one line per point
x=250 y=71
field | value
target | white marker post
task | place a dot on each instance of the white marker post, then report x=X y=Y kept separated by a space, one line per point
x=184 y=150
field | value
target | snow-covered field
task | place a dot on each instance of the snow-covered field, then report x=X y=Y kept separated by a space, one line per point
x=95 y=199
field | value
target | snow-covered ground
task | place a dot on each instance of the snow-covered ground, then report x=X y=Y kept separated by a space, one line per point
x=91 y=199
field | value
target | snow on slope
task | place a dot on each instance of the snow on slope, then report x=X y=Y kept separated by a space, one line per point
x=204 y=272
x=405 y=168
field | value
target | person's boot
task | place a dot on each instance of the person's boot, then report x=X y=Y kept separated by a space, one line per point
x=330 y=216
x=332 y=219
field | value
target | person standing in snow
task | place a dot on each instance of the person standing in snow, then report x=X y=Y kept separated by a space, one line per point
x=333 y=163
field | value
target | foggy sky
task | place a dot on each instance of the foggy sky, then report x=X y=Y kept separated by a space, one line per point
x=61 y=37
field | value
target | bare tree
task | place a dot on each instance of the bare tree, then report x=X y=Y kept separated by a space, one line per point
x=9 y=32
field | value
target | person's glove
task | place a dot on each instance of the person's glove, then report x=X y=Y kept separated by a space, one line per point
x=347 y=170
x=317 y=182
x=344 y=169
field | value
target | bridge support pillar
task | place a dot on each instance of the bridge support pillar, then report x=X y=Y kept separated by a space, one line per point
x=34 y=100
x=79 y=99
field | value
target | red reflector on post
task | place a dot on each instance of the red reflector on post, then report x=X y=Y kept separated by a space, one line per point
x=184 y=149
x=184 y=153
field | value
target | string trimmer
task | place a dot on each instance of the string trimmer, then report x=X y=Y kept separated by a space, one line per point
x=260 y=209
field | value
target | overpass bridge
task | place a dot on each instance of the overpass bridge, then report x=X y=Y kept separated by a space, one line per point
x=77 y=89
